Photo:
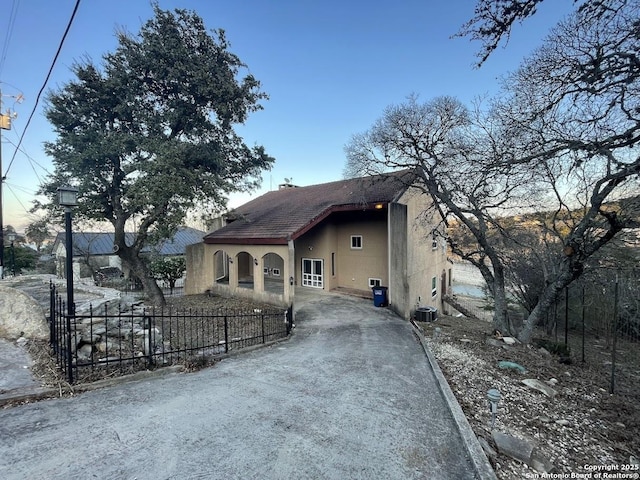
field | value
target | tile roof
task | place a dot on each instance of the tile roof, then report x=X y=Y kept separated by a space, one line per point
x=101 y=243
x=284 y=214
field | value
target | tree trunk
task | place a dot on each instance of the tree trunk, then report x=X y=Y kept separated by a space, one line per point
x=500 y=314
x=140 y=270
x=548 y=298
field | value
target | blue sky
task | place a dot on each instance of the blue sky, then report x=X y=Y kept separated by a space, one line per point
x=330 y=68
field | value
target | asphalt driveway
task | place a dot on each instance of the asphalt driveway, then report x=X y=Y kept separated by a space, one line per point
x=350 y=396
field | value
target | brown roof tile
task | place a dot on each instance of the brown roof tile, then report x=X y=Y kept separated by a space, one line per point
x=284 y=214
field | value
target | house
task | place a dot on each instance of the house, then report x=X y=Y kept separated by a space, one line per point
x=350 y=235
x=93 y=252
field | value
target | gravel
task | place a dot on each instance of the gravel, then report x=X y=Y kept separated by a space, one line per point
x=581 y=427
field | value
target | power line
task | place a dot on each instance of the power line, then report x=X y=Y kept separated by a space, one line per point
x=55 y=58
x=18 y=199
x=31 y=162
x=9 y=32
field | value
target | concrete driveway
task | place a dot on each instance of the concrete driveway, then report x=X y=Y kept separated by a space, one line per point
x=350 y=396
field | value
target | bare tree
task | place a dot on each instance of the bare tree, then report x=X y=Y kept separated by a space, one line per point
x=563 y=139
x=452 y=151
x=574 y=110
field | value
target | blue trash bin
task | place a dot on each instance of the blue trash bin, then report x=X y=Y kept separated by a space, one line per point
x=380 y=296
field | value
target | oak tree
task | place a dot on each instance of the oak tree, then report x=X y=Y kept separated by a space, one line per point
x=148 y=135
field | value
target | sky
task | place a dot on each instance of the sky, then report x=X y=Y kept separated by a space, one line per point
x=330 y=68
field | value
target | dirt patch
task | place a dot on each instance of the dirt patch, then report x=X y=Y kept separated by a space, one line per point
x=583 y=425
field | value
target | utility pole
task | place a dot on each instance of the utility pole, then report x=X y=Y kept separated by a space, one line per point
x=5 y=124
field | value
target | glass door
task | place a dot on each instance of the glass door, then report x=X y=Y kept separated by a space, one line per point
x=312 y=272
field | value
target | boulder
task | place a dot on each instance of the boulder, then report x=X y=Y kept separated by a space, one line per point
x=21 y=316
x=540 y=386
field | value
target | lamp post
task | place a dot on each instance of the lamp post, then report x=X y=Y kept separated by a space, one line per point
x=11 y=236
x=67 y=198
x=494 y=398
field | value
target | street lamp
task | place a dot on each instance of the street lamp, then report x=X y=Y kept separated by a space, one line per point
x=11 y=236
x=67 y=198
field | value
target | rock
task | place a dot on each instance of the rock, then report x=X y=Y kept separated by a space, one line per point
x=564 y=423
x=544 y=419
x=512 y=365
x=493 y=342
x=21 y=316
x=540 y=386
x=552 y=381
x=84 y=352
x=489 y=452
x=514 y=447
x=541 y=463
x=509 y=340
x=544 y=351
x=465 y=340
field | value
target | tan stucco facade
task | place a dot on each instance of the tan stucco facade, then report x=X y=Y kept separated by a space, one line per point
x=422 y=277
x=393 y=247
x=244 y=267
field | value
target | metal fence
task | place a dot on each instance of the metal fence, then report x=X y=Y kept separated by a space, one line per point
x=597 y=317
x=103 y=343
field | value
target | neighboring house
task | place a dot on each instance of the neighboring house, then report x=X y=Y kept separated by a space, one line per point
x=94 y=251
x=348 y=235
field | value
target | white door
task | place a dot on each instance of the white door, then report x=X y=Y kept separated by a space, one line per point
x=312 y=272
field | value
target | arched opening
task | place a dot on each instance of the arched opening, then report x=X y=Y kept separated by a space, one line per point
x=245 y=270
x=273 y=271
x=221 y=267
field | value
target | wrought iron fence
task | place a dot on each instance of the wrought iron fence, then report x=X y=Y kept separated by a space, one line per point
x=598 y=317
x=103 y=342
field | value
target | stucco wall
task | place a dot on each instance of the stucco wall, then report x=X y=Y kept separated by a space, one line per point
x=423 y=261
x=200 y=260
x=353 y=267
x=398 y=242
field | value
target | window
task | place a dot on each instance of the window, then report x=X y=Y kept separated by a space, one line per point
x=275 y=272
x=333 y=264
x=265 y=271
x=434 y=286
x=374 y=282
x=356 y=242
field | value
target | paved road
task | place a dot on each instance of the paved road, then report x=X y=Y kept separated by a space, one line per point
x=349 y=396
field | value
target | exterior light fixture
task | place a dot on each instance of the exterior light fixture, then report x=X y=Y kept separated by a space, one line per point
x=494 y=398
x=255 y=262
x=67 y=196
x=378 y=206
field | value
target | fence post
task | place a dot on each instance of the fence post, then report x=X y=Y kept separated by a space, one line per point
x=566 y=315
x=52 y=311
x=226 y=335
x=151 y=336
x=615 y=337
x=583 y=315
x=69 y=354
x=262 y=323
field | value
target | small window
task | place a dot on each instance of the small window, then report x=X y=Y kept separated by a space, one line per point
x=265 y=271
x=356 y=242
x=434 y=286
x=275 y=272
x=333 y=264
x=374 y=282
